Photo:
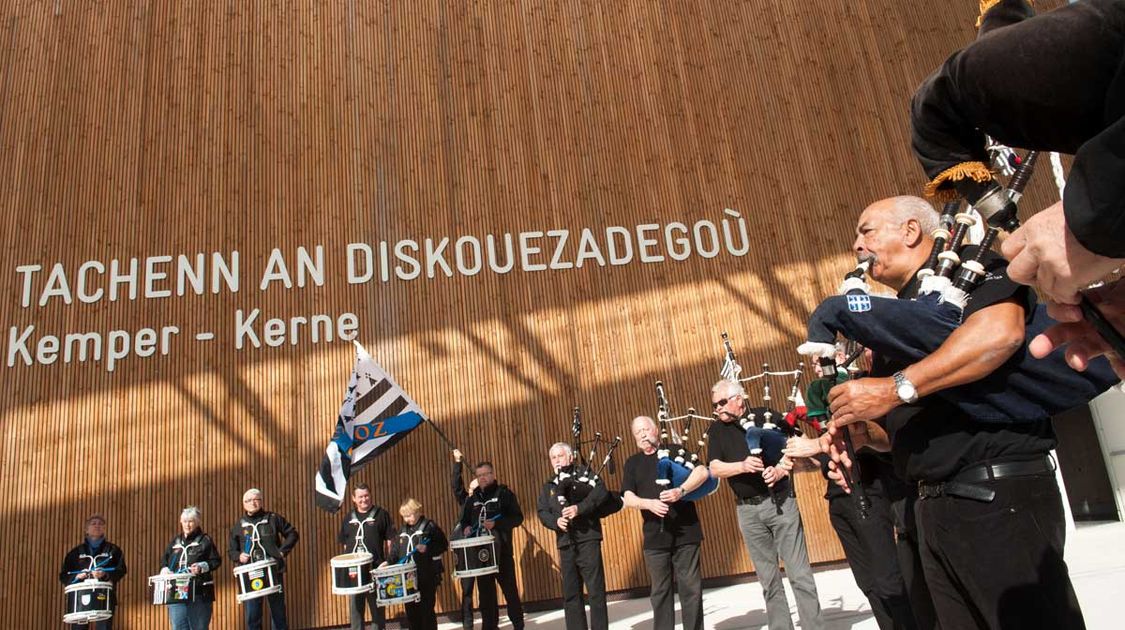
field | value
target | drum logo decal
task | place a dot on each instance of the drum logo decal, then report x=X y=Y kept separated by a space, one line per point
x=859 y=303
x=256 y=584
x=86 y=600
x=483 y=555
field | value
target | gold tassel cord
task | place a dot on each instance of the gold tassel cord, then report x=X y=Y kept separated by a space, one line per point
x=976 y=171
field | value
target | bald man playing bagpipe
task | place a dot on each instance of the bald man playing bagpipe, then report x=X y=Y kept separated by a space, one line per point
x=989 y=517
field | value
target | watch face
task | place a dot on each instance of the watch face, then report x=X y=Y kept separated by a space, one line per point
x=906 y=391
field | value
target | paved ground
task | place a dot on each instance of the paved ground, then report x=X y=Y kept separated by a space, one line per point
x=1095 y=553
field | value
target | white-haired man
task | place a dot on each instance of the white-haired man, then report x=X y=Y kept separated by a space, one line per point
x=672 y=532
x=990 y=518
x=565 y=508
x=767 y=513
x=259 y=535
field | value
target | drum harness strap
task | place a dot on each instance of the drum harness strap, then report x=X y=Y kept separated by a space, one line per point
x=360 y=545
x=95 y=565
x=483 y=516
x=255 y=540
x=183 y=546
x=410 y=540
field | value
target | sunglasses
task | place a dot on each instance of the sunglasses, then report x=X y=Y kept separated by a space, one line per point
x=720 y=403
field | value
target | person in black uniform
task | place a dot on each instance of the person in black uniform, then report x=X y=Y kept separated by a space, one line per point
x=490 y=508
x=422 y=540
x=258 y=535
x=990 y=516
x=767 y=512
x=192 y=551
x=366 y=528
x=95 y=558
x=672 y=533
x=869 y=543
x=1052 y=82
x=578 y=534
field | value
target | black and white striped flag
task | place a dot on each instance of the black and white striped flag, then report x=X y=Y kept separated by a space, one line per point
x=376 y=414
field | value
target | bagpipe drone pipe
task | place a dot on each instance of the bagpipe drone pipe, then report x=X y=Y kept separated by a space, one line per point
x=991 y=90
x=765 y=439
x=905 y=331
x=675 y=457
x=582 y=478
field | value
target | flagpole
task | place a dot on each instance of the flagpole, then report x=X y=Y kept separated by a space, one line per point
x=441 y=434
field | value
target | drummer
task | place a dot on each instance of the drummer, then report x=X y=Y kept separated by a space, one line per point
x=490 y=508
x=257 y=536
x=95 y=552
x=192 y=552
x=365 y=529
x=421 y=540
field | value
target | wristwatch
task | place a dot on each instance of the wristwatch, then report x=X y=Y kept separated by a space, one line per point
x=905 y=389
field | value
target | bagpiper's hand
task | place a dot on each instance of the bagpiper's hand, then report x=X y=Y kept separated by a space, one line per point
x=785 y=464
x=798 y=446
x=753 y=464
x=1044 y=253
x=244 y=558
x=489 y=525
x=774 y=474
x=836 y=477
x=862 y=399
x=570 y=512
x=458 y=456
x=672 y=495
x=562 y=523
x=1082 y=341
x=657 y=507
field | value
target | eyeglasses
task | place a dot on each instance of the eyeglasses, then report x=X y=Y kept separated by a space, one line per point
x=720 y=403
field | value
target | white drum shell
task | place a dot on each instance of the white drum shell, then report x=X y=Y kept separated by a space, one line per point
x=94 y=588
x=245 y=574
x=406 y=574
x=362 y=564
x=471 y=546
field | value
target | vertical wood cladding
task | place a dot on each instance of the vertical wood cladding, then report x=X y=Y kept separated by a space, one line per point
x=141 y=129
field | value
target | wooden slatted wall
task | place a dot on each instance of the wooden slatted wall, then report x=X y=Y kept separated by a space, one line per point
x=147 y=128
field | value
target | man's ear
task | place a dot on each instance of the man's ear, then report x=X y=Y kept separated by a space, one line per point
x=912 y=233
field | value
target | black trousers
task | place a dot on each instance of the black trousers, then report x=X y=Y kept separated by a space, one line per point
x=673 y=571
x=999 y=564
x=870 y=547
x=582 y=563
x=489 y=608
x=420 y=614
x=910 y=563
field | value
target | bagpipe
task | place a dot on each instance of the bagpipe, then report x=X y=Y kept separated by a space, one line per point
x=905 y=331
x=676 y=459
x=950 y=140
x=577 y=481
x=766 y=440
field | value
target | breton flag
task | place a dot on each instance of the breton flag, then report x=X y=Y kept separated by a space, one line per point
x=376 y=414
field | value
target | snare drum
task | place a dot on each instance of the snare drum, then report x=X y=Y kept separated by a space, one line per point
x=396 y=584
x=351 y=573
x=474 y=556
x=88 y=601
x=172 y=588
x=257 y=579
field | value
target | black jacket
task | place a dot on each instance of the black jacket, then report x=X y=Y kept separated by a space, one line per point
x=276 y=537
x=586 y=526
x=376 y=527
x=109 y=558
x=424 y=531
x=498 y=503
x=198 y=548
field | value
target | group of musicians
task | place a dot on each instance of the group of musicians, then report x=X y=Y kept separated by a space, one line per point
x=963 y=523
